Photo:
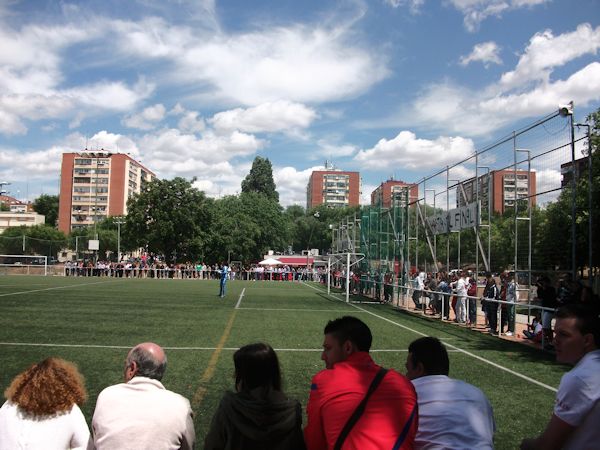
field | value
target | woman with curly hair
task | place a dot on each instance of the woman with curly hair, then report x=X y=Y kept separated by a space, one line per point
x=42 y=412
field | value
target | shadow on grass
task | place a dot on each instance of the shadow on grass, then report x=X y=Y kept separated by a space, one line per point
x=471 y=340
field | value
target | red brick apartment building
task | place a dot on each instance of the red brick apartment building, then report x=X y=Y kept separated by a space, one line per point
x=95 y=185
x=504 y=189
x=334 y=188
x=389 y=192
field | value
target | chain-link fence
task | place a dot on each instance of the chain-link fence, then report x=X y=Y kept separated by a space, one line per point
x=518 y=206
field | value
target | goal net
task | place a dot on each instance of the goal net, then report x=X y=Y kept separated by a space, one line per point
x=23 y=265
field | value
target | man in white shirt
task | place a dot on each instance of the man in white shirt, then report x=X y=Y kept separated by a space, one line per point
x=460 y=287
x=141 y=414
x=452 y=414
x=576 y=415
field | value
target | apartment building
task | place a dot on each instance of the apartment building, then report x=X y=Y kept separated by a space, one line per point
x=503 y=187
x=95 y=185
x=334 y=188
x=391 y=192
x=18 y=218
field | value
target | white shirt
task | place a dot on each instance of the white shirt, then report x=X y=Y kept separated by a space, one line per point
x=460 y=286
x=452 y=414
x=142 y=414
x=577 y=401
x=61 y=432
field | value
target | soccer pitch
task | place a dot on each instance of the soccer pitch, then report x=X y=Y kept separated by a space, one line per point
x=95 y=321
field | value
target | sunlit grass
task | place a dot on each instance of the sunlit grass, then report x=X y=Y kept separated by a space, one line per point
x=94 y=321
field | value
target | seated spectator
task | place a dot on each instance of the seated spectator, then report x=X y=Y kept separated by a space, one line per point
x=387 y=420
x=140 y=413
x=534 y=329
x=42 y=412
x=576 y=415
x=452 y=414
x=258 y=415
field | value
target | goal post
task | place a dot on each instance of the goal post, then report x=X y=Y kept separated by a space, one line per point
x=348 y=260
x=23 y=265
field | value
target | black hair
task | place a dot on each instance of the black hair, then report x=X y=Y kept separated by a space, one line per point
x=351 y=329
x=430 y=352
x=256 y=365
x=587 y=319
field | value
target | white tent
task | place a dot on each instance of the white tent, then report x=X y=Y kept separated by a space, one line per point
x=269 y=262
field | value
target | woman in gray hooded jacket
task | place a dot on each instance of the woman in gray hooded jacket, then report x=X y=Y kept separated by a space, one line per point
x=258 y=416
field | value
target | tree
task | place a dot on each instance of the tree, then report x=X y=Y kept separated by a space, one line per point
x=234 y=232
x=554 y=240
x=48 y=206
x=171 y=218
x=39 y=240
x=268 y=217
x=260 y=179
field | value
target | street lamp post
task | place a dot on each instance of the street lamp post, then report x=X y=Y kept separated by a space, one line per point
x=77 y=246
x=119 y=220
x=590 y=205
x=448 y=180
x=316 y=215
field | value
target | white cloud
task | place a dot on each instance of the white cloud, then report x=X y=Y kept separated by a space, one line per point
x=291 y=184
x=365 y=194
x=546 y=51
x=476 y=11
x=31 y=78
x=413 y=5
x=169 y=152
x=332 y=150
x=486 y=52
x=115 y=143
x=191 y=123
x=582 y=87
x=298 y=63
x=527 y=91
x=147 y=119
x=406 y=151
x=279 y=116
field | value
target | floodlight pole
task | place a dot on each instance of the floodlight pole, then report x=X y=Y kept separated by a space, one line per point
x=119 y=220
x=590 y=205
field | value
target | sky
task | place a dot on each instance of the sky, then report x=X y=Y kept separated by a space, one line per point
x=199 y=88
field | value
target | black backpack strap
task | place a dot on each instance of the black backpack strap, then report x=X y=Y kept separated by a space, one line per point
x=360 y=409
x=405 y=430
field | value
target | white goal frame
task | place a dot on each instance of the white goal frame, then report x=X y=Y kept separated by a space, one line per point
x=21 y=263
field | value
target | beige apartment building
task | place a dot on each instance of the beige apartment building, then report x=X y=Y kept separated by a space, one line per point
x=95 y=185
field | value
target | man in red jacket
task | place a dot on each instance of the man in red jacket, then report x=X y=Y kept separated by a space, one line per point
x=390 y=417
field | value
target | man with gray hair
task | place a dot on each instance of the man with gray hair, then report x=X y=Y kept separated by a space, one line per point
x=140 y=413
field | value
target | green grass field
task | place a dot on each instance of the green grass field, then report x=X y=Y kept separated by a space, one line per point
x=94 y=321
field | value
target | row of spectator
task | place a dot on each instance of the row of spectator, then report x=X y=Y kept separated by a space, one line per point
x=353 y=403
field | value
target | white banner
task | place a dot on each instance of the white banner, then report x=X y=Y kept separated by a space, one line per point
x=454 y=220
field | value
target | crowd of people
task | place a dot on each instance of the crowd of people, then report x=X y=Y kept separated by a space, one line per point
x=139 y=268
x=353 y=403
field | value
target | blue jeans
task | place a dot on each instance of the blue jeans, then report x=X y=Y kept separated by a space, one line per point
x=222 y=289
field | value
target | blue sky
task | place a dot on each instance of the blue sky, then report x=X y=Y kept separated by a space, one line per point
x=199 y=88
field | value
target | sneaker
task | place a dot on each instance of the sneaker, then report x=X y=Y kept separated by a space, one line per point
x=508 y=333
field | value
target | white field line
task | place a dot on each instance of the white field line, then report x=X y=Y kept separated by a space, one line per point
x=292 y=309
x=56 y=287
x=498 y=366
x=127 y=347
x=237 y=306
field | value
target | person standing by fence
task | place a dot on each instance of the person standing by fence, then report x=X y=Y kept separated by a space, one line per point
x=460 y=288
